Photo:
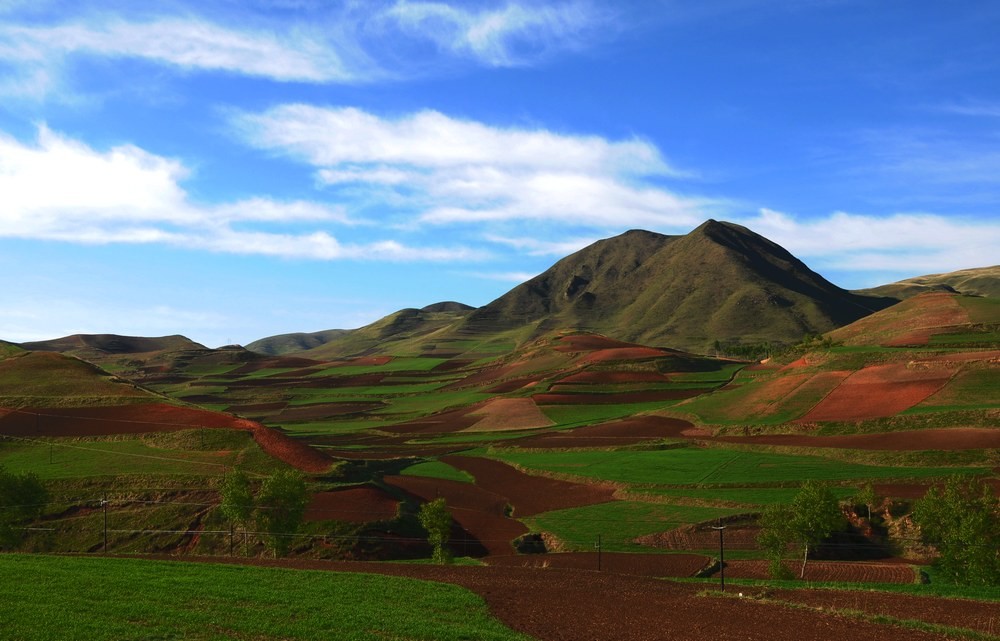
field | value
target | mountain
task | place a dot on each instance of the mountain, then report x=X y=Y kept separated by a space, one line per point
x=81 y=344
x=295 y=342
x=982 y=281
x=721 y=282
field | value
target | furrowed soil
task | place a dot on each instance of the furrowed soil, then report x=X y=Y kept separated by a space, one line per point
x=578 y=605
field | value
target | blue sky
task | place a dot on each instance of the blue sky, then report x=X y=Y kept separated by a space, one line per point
x=231 y=170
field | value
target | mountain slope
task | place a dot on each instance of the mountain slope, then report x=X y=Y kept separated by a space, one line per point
x=719 y=282
x=982 y=281
x=295 y=342
x=81 y=344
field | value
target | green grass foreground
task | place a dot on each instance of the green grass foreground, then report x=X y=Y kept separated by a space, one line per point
x=44 y=598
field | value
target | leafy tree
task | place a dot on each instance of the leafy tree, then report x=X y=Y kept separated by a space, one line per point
x=866 y=496
x=813 y=515
x=237 y=500
x=22 y=498
x=436 y=519
x=281 y=504
x=962 y=520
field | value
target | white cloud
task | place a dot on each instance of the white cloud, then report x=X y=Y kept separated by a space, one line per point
x=187 y=43
x=514 y=34
x=537 y=247
x=907 y=243
x=61 y=189
x=443 y=170
x=506 y=277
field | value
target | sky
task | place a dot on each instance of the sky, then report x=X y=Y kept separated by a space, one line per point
x=234 y=169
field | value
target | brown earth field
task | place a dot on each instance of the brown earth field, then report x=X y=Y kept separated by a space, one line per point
x=584 y=398
x=589 y=343
x=356 y=505
x=841 y=571
x=576 y=605
x=441 y=423
x=879 y=391
x=979 y=616
x=624 y=432
x=951 y=438
x=669 y=565
x=598 y=377
x=479 y=512
x=528 y=494
x=508 y=414
x=623 y=354
x=155 y=417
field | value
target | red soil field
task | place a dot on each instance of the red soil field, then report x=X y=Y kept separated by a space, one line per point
x=508 y=414
x=579 y=605
x=528 y=494
x=511 y=385
x=317 y=411
x=843 y=571
x=623 y=354
x=364 y=361
x=441 y=423
x=979 y=616
x=670 y=565
x=878 y=391
x=589 y=343
x=478 y=511
x=356 y=505
x=278 y=362
x=648 y=396
x=624 y=432
x=701 y=537
x=611 y=378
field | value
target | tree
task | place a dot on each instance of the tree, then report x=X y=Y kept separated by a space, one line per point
x=237 y=500
x=813 y=515
x=22 y=498
x=962 y=520
x=436 y=519
x=281 y=504
x=866 y=496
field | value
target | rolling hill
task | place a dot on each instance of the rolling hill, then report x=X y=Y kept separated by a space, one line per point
x=982 y=281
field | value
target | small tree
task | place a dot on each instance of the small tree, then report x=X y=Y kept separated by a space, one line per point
x=436 y=519
x=962 y=520
x=237 y=500
x=813 y=516
x=22 y=498
x=281 y=504
x=866 y=496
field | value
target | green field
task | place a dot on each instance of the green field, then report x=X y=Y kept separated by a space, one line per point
x=745 y=496
x=618 y=523
x=712 y=466
x=65 y=598
x=438 y=470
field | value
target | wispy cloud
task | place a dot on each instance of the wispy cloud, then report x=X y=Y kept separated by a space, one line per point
x=61 y=189
x=905 y=243
x=505 y=277
x=435 y=169
x=534 y=246
x=511 y=35
x=974 y=108
x=336 y=44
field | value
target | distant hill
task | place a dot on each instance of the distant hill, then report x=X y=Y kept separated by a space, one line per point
x=982 y=281
x=720 y=282
x=295 y=342
x=112 y=344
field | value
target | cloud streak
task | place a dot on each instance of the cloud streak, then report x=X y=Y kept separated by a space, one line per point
x=60 y=189
x=434 y=169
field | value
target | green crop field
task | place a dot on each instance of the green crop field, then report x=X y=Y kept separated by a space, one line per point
x=576 y=415
x=711 y=466
x=438 y=470
x=618 y=523
x=746 y=496
x=64 y=598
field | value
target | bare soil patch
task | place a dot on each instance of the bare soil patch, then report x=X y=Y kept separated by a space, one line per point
x=440 y=423
x=598 y=377
x=579 y=605
x=703 y=537
x=842 y=571
x=880 y=390
x=623 y=354
x=508 y=414
x=356 y=505
x=526 y=493
x=481 y=513
x=669 y=565
x=614 y=398
x=319 y=411
x=589 y=343
x=104 y=421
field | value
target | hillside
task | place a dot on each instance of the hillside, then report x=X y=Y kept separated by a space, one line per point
x=982 y=281
x=294 y=342
x=83 y=344
x=720 y=282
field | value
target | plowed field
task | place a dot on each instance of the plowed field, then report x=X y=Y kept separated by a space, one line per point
x=356 y=504
x=613 y=434
x=850 y=572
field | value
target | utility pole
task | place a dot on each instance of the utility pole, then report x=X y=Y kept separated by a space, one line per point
x=722 y=555
x=598 y=546
x=104 y=504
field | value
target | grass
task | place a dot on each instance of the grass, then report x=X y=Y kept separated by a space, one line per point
x=438 y=470
x=618 y=523
x=54 y=598
x=398 y=364
x=694 y=466
x=749 y=496
x=575 y=415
